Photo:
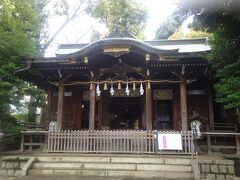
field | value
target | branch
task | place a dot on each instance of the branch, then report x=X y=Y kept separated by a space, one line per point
x=64 y=24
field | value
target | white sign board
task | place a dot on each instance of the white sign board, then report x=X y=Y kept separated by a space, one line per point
x=169 y=141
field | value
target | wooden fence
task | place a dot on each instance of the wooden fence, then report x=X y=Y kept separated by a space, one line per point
x=113 y=141
x=101 y=141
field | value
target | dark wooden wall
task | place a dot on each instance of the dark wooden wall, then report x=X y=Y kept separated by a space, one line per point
x=73 y=111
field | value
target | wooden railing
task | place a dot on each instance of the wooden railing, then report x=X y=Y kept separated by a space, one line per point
x=113 y=141
x=35 y=138
x=218 y=145
x=224 y=126
x=101 y=141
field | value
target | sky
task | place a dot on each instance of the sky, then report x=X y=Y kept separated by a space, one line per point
x=79 y=30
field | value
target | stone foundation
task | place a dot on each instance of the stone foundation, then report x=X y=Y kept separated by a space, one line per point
x=12 y=165
x=216 y=169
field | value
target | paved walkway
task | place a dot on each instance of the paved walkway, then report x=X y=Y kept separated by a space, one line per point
x=69 y=178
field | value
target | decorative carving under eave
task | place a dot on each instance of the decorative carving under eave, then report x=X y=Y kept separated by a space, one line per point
x=116 y=51
x=166 y=58
x=69 y=61
x=121 y=68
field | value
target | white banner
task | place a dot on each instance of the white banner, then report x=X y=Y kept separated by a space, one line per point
x=169 y=141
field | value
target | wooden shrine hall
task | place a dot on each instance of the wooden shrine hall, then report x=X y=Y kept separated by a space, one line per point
x=124 y=83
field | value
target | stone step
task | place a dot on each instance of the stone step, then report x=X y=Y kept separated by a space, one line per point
x=113 y=173
x=114 y=166
x=166 y=168
x=73 y=159
x=142 y=160
x=57 y=165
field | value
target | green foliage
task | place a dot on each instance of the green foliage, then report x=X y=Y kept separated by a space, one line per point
x=223 y=20
x=61 y=8
x=95 y=35
x=19 y=32
x=168 y=27
x=225 y=58
x=120 y=15
x=192 y=34
x=9 y=125
x=208 y=15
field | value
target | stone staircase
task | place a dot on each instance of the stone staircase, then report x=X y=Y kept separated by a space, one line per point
x=114 y=166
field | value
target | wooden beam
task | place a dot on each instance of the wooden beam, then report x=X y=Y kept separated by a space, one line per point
x=210 y=110
x=148 y=106
x=183 y=98
x=60 y=106
x=92 y=99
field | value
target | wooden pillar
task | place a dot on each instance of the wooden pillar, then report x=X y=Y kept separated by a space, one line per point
x=92 y=101
x=22 y=142
x=176 y=108
x=60 y=106
x=210 y=110
x=100 y=114
x=31 y=141
x=148 y=107
x=49 y=98
x=237 y=145
x=105 y=110
x=143 y=112
x=183 y=98
x=77 y=107
x=209 y=144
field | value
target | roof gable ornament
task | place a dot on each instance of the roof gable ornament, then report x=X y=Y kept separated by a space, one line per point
x=116 y=51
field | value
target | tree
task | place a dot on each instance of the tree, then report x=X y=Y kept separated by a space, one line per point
x=19 y=30
x=225 y=58
x=191 y=34
x=120 y=16
x=170 y=25
x=95 y=35
x=223 y=20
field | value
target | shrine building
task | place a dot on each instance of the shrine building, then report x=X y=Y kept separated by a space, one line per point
x=125 y=83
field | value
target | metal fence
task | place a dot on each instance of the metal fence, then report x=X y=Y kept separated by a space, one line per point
x=114 y=141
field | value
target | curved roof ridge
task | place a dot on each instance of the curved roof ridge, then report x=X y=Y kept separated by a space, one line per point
x=118 y=42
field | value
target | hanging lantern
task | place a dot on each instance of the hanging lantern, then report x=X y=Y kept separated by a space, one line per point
x=85 y=60
x=147 y=58
x=148 y=85
x=105 y=86
x=134 y=86
x=98 y=90
x=127 y=90
x=111 y=90
x=141 y=89
x=119 y=86
x=91 y=86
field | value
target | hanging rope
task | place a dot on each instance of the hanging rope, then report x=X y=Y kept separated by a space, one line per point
x=121 y=81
